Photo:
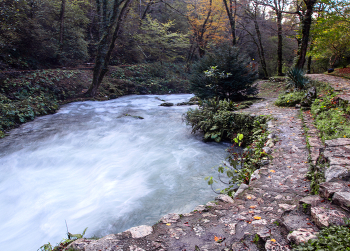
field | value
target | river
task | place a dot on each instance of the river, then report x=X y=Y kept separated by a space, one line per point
x=91 y=166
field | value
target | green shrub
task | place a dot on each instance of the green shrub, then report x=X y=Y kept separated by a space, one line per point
x=297 y=79
x=228 y=61
x=240 y=165
x=216 y=119
x=290 y=99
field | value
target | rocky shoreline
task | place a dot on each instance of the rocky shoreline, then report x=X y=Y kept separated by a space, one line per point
x=274 y=211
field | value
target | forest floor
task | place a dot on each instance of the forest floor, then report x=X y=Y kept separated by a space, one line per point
x=269 y=214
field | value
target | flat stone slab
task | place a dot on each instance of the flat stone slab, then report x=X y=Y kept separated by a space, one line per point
x=294 y=222
x=338 y=161
x=312 y=200
x=302 y=235
x=170 y=218
x=224 y=198
x=327 y=189
x=337 y=142
x=342 y=199
x=336 y=172
x=324 y=217
x=140 y=231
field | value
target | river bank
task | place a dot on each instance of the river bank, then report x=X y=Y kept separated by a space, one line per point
x=273 y=212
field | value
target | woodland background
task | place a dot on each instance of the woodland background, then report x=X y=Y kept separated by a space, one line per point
x=38 y=34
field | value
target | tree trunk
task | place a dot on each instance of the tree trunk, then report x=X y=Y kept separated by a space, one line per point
x=231 y=14
x=107 y=43
x=63 y=9
x=306 y=25
x=262 y=53
x=280 y=43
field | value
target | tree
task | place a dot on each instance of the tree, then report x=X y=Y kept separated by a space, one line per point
x=249 y=22
x=112 y=22
x=306 y=21
x=207 y=23
x=278 y=7
x=158 y=42
x=231 y=11
x=225 y=73
x=331 y=33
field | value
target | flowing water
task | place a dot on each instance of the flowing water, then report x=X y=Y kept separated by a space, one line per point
x=93 y=167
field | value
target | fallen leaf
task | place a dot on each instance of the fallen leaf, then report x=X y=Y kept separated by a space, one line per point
x=218 y=239
x=252 y=207
x=249 y=197
x=269 y=177
x=257 y=218
x=168 y=224
x=273 y=240
x=272 y=171
x=251 y=212
x=289 y=166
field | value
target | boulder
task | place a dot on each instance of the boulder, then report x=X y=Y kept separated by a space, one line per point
x=337 y=172
x=324 y=217
x=167 y=104
x=240 y=190
x=312 y=200
x=169 y=218
x=342 y=199
x=309 y=97
x=293 y=222
x=302 y=235
x=140 y=231
x=327 y=189
x=224 y=198
x=337 y=142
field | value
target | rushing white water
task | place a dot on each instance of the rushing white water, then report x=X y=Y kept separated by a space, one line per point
x=93 y=167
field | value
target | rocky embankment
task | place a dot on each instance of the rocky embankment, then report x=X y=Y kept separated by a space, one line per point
x=272 y=212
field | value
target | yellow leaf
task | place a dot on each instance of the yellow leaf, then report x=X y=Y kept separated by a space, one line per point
x=272 y=171
x=249 y=197
x=168 y=224
x=273 y=240
x=252 y=207
x=269 y=177
x=257 y=218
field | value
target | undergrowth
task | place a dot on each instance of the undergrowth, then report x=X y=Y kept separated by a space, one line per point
x=290 y=99
x=216 y=119
x=331 y=115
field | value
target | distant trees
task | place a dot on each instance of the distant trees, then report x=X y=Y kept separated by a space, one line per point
x=33 y=35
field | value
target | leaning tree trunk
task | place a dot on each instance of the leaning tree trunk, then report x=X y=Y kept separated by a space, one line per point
x=280 y=44
x=306 y=25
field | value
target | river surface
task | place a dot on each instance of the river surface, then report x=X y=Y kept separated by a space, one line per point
x=91 y=166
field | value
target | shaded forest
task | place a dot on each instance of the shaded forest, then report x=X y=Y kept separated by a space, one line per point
x=37 y=34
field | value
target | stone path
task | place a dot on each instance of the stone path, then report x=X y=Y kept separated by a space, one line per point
x=341 y=85
x=273 y=211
